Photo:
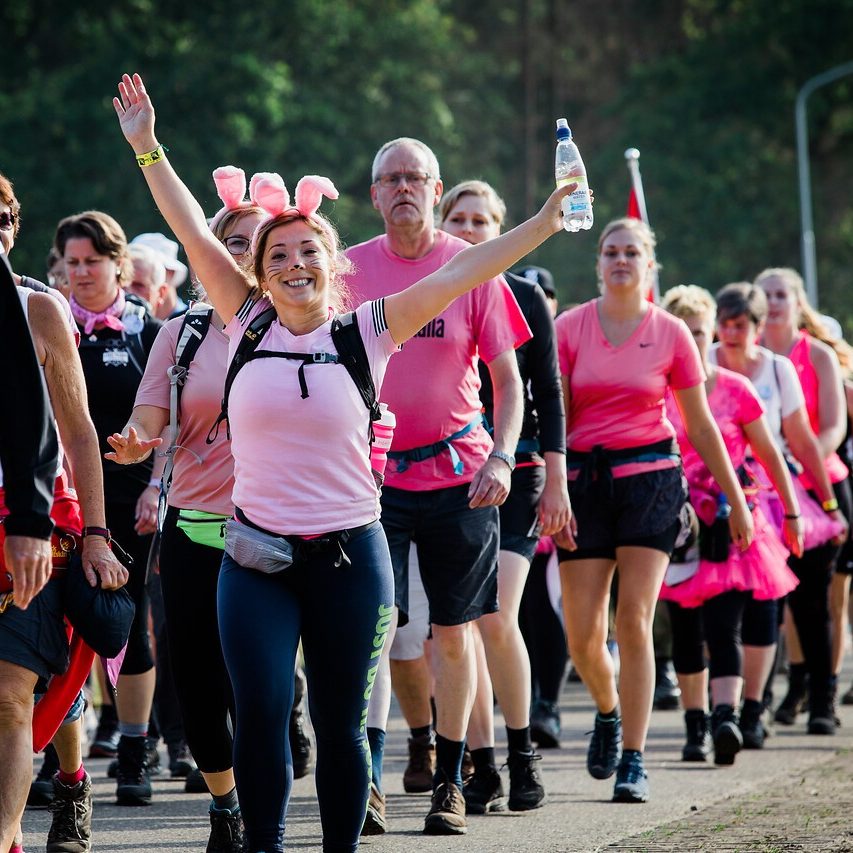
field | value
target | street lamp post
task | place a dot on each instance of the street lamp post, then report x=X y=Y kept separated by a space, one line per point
x=806 y=221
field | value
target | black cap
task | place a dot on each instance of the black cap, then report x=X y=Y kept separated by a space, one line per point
x=540 y=276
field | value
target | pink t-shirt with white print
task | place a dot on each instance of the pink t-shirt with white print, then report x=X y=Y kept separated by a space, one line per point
x=302 y=466
x=618 y=392
x=433 y=385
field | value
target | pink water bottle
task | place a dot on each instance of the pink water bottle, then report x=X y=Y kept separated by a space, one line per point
x=383 y=430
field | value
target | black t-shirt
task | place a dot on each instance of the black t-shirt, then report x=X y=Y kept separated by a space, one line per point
x=113 y=364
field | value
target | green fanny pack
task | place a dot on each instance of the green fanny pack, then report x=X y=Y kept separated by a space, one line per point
x=203 y=528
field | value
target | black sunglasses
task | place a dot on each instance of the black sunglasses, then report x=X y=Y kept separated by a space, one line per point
x=7 y=220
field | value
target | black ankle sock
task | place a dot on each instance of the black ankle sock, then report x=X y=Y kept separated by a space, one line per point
x=518 y=740
x=484 y=759
x=226 y=801
x=609 y=716
x=448 y=760
x=420 y=731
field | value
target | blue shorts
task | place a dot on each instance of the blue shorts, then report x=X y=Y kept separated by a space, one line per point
x=457 y=551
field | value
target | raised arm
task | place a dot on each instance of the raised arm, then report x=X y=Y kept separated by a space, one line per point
x=225 y=283
x=410 y=310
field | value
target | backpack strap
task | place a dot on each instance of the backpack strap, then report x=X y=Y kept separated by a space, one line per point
x=194 y=327
x=252 y=335
x=135 y=349
x=347 y=339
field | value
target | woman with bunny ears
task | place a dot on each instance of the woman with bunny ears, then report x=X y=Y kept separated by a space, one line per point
x=199 y=503
x=305 y=553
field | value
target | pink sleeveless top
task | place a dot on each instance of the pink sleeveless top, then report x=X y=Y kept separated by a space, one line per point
x=801 y=356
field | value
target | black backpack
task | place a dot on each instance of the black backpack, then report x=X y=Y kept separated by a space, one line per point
x=350 y=353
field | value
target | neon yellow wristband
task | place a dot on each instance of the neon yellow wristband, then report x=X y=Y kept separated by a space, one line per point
x=151 y=157
x=831 y=505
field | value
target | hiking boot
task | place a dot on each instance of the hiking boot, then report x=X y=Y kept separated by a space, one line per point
x=152 y=755
x=484 y=792
x=226 y=831
x=667 y=692
x=726 y=733
x=796 y=699
x=105 y=744
x=195 y=783
x=605 y=747
x=847 y=698
x=545 y=724
x=71 y=828
x=41 y=788
x=526 y=791
x=751 y=725
x=417 y=777
x=300 y=743
x=374 y=820
x=697 y=747
x=446 y=814
x=181 y=761
x=133 y=786
x=821 y=715
x=467 y=769
x=632 y=781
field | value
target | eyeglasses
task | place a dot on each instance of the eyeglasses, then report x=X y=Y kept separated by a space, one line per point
x=7 y=220
x=394 y=179
x=237 y=245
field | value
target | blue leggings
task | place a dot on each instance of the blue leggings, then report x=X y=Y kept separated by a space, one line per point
x=342 y=614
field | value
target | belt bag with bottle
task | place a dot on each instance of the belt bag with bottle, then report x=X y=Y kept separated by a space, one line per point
x=203 y=528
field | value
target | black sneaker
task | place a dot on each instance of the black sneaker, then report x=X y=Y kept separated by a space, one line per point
x=105 y=744
x=726 y=733
x=797 y=697
x=484 y=792
x=751 y=725
x=133 y=786
x=667 y=693
x=526 y=791
x=446 y=814
x=226 y=831
x=71 y=828
x=545 y=724
x=632 y=781
x=41 y=788
x=605 y=747
x=697 y=746
x=181 y=762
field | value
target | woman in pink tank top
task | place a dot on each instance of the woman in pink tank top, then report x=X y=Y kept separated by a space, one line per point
x=794 y=329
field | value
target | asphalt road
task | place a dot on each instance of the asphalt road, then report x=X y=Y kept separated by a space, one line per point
x=795 y=795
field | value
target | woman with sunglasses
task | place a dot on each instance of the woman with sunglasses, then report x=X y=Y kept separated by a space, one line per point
x=199 y=504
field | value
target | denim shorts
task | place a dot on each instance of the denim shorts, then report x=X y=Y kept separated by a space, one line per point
x=641 y=510
x=35 y=638
x=457 y=551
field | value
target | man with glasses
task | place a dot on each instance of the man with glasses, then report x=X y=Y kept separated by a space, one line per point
x=446 y=476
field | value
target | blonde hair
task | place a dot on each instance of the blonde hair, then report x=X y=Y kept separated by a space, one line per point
x=687 y=301
x=637 y=226
x=481 y=189
x=807 y=318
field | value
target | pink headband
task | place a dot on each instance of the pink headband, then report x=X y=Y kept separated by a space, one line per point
x=267 y=191
x=230 y=185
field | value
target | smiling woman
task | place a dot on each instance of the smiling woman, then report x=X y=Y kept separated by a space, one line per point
x=305 y=539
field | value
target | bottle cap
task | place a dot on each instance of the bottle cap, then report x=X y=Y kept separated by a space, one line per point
x=563 y=130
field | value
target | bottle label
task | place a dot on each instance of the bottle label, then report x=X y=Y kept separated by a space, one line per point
x=578 y=201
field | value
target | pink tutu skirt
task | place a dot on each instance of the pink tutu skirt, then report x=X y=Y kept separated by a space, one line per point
x=761 y=569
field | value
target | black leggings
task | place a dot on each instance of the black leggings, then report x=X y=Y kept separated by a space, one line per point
x=189 y=575
x=543 y=634
x=120 y=520
x=726 y=622
x=809 y=602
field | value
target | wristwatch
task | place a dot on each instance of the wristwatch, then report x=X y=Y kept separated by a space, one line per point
x=504 y=457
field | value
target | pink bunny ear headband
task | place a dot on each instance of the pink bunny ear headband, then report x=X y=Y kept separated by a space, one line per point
x=267 y=191
x=230 y=185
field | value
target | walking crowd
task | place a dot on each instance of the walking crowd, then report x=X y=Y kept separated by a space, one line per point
x=221 y=473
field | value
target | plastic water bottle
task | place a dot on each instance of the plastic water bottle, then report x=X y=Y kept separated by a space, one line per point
x=569 y=168
x=718 y=551
x=383 y=431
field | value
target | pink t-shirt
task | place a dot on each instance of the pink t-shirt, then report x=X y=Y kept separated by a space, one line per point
x=734 y=403
x=617 y=393
x=433 y=385
x=302 y=466
x=203 y=476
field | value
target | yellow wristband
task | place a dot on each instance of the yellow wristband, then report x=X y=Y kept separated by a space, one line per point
x=830 y=506
x=151 y=157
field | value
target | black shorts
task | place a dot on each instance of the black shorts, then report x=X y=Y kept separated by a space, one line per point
x=457 y=551
x=518 y=513
x=641 y=510
x=35 y=638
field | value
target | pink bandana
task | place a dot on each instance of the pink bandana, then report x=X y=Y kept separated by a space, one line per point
x=109 y=318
